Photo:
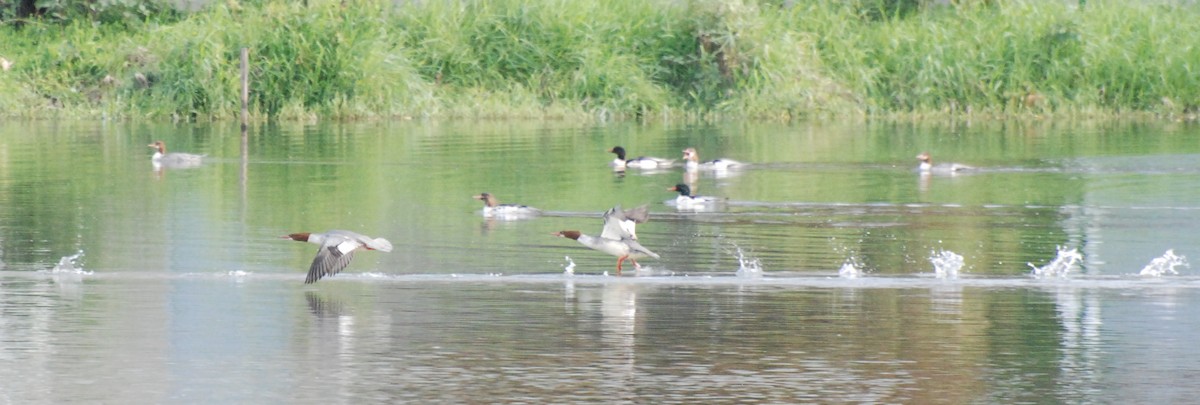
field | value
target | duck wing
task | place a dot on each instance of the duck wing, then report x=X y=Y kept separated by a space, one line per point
x=331 y=259
x=619 y=224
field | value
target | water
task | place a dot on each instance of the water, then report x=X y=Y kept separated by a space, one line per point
x=1164 y=265
x=851 y=268
x=946 y=264
x=569 y=268
x=748 y=266
x=833 y=273
x=67 y=264
x=1066 y=261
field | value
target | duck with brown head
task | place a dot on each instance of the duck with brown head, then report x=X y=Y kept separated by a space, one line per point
x=692 y=162
x=616 y=238
x=492 y=208
x=927 y=165
x=336 y=251
x=174 y=160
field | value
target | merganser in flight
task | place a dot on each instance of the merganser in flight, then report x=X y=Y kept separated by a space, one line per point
x=337 y=248
x=927 y=165
x=614 y=239
x=693 y=162
x=175 y=159
x=493 y=208
x=640 y=162
x=686 y=199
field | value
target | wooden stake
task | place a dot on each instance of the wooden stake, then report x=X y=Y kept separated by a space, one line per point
x=245 y=88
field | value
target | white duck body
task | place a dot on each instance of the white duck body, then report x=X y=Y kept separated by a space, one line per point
x=927 y=166
x=175 y=160
x=640 y=162
x=493 y=209
x=692 y=162
x=685 y=199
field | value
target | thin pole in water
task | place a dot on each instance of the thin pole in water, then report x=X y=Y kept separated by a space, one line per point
x=245 y=124
x=245 y=87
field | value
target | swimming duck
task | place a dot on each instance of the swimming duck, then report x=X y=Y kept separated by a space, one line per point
x=640 y=162
x=692 y=159
x=336 y=251
x=613 y=239
x=927 y=165
x=493 y=208
x=686 y=199
x=175 y=159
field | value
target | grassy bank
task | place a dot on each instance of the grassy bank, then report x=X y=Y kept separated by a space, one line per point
x=611 y=59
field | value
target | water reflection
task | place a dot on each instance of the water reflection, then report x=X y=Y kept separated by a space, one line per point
x=187 y=297
x=323 y=307
x=1081 y=318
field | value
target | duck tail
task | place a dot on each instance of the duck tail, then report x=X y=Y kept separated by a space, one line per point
x=381 y=245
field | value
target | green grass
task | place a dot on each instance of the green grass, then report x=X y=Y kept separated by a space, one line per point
x=1025 y=57
x=616 y=59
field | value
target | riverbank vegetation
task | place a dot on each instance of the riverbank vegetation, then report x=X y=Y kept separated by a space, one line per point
x=592 y=59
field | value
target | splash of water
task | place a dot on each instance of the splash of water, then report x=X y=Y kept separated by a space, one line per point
x=569 y=268
x=747 y=266
x=238 y=276
x=946 y=264
x=1065 y=261
x=851 y=268
x=67 y=264
x=1165 y=264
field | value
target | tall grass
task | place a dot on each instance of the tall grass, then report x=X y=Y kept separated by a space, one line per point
x=1025 y=56
x=324 y=60
x=618 y=58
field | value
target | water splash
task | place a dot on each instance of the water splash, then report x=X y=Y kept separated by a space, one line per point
x=851 y=268
x=569 y=268
x=747 y=266
x=946 y=264
x=1165 y=264
x=238 y=276
x=67 y=264
x=1065 y=261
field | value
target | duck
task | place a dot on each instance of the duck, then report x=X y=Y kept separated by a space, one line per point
x=686 y=199
x=692 y=162
x=174 y=159
x=614 y=239
x=493 y=208
x=927 y=165
x=640 y=162
x=336 y=251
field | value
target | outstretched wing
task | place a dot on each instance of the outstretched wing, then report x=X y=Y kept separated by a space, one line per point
x=329 y=261
x=619 y=224
x=637 y=215
x=612 y=224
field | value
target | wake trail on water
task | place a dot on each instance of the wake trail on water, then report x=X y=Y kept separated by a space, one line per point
x=1061 y=270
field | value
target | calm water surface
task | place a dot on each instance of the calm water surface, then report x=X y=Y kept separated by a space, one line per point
x=834 y=273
